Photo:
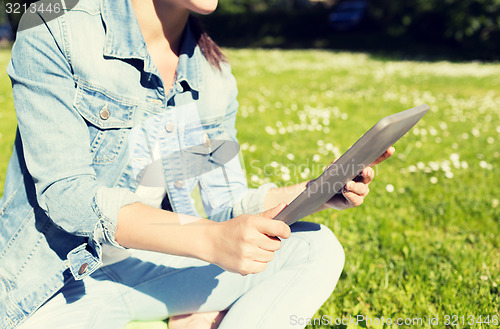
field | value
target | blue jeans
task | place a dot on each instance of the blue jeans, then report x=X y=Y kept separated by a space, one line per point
x=153 y=286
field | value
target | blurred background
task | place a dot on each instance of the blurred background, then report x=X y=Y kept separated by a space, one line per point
x=457 y=29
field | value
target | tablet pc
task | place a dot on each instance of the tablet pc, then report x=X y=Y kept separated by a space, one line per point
x=363 y=153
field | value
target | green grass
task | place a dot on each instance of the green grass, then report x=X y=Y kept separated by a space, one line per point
x=428 y=248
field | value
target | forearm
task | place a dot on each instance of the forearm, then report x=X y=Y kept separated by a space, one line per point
x=144 y=227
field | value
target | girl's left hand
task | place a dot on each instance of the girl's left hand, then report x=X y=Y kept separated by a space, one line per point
x=355 y=191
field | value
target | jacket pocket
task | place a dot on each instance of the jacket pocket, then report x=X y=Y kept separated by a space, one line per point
x=109 y=119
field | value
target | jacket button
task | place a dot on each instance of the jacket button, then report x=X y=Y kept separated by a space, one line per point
x=83 y=268
x=104 y=113
x=179 y=184
x=170 y=126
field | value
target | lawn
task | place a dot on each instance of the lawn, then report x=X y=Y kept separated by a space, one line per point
x=425 y=243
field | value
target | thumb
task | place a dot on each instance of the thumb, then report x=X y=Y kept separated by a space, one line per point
x=271 y=213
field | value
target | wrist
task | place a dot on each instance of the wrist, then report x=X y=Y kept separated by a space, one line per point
x=210 y=233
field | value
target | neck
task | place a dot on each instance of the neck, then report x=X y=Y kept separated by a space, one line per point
x=161 y=22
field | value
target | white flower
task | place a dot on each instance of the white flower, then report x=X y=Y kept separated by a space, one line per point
x=434 y=165
x=270 y=130
x=433 y=180
x=454 y=157
x=448 y=174
x=290 y=156
x=316 y=158
x=389 y=188
x=284 y=169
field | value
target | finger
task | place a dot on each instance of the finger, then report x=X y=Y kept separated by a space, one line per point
x=269 y=243
x=263 y=256
x=271 y=213
x=390 y=151
x=353 y=198
x=366 y=176
x=274 y=228
x=360 y=189
x=258 y=267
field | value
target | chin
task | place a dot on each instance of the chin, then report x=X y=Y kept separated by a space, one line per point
x=204 y=7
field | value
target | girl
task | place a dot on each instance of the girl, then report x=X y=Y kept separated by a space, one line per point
x=124 y=109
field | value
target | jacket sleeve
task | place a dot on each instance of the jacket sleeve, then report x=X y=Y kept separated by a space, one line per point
x=56 y=143
x=246 y=200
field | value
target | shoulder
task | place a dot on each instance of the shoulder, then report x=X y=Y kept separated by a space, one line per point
x=53 y=22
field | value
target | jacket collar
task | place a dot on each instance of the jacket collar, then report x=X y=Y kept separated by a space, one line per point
x=124 y=40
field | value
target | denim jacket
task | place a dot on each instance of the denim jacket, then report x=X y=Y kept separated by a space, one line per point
x=89 y=103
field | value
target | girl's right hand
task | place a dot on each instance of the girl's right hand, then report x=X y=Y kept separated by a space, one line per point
x=245 y=244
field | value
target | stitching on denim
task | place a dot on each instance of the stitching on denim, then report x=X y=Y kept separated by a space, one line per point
x=99 y=310
x=7 y=203
x=289 y=283
x=16 y=234
x=119 y=99
x=113 y=277
x=65 y=40
x=35 y=247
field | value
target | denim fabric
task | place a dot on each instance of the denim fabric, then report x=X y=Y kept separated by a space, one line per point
x=85 y=88
x=152 y=286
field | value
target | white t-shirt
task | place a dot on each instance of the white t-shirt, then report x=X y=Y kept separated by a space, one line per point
x=151 y=196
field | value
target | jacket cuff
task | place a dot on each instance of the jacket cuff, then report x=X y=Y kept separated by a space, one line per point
x=86 y=258
x=106 y=204
x=253 y=200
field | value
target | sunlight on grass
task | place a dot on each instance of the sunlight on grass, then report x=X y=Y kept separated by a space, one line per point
x=425 y=242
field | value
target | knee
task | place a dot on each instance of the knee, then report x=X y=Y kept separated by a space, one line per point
x=326 y=248
x=326 y=255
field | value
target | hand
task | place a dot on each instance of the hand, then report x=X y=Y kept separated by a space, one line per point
x=245 y=244
x=355 y=191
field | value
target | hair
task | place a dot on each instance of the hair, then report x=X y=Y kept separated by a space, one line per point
x=208 y=47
